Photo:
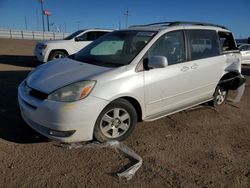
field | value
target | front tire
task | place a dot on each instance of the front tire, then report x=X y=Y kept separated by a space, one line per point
x=220 y=96
x=57 y=55
x=116 y=121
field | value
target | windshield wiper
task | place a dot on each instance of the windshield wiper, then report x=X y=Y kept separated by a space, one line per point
x=98 y=62
x=110 y=64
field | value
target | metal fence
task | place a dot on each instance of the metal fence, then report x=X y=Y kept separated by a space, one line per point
x=32 y=35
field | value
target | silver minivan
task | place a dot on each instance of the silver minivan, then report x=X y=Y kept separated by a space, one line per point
x=141 y=73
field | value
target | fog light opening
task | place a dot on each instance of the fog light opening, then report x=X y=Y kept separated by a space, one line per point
x=61 y=133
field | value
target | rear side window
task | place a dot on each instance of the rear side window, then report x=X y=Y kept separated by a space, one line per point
x=91 y=36
x=227 y=42
x=95 y=35
x=202 y=44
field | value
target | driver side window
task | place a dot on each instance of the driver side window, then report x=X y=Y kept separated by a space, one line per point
x=172 y=46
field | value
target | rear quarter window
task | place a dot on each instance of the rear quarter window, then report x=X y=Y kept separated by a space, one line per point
x=227 y=42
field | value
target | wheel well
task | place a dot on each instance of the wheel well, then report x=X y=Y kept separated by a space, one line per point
x=60 y=50
x=136 y=105
x=231 y=80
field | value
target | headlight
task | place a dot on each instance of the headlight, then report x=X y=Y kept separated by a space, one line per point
x=73 y=92
x=42 y=46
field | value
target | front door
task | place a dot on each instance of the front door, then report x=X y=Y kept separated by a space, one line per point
x=166 y=88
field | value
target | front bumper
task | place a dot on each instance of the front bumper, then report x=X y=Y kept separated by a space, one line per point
x=41 y=54
x=46 y=116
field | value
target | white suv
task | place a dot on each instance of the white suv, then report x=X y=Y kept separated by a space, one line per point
x=54 y=49
x=141 y=73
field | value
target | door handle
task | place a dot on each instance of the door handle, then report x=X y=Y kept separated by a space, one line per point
x=194 y=66
x=184 y=69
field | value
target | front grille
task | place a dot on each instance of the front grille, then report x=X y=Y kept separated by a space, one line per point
x=35 y=93
x=38 y=94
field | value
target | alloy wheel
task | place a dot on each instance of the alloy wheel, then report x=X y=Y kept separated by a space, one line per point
x=115 y=123
x=220 y=98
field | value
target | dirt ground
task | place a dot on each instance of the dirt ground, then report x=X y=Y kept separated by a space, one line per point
x=195 y=148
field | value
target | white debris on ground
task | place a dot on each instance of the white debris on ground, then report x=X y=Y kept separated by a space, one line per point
x=128 y=173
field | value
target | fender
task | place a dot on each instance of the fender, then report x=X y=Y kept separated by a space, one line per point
x=232 y=80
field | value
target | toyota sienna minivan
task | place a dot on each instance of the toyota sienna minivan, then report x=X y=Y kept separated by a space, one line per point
x=141 y=73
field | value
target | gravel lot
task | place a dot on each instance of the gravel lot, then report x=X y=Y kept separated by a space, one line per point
x=205 y=147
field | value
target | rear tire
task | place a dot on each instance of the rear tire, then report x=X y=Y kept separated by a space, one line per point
x=220 y=96
x=116 y=121
x=57 y=55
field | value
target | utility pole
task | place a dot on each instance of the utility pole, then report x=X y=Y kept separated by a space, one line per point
x=126 y=18
x=78 y=25
x=41 y=1
x=25 y=22
x=48 y=22
x=64 y=27
x=47 y=13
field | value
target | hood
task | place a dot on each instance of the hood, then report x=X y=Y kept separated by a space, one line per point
x=59 y=73
x=54 y=41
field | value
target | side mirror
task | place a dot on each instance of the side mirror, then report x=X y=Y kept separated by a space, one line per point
x=157 y=62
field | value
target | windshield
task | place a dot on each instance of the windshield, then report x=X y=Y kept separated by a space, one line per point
x=73 y=35
x=116 y=49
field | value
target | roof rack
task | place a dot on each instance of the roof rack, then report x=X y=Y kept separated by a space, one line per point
x=179 y=23
x=153 y=24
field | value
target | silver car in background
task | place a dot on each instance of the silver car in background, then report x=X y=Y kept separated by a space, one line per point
x=137 y=74
x=245 y=52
